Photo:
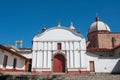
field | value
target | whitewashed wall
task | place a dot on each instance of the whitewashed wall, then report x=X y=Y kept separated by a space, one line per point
x=27 y=55
x=102 y=64
x=1 y=58
x=20 y=64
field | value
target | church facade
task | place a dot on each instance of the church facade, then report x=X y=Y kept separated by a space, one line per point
x=63 y=50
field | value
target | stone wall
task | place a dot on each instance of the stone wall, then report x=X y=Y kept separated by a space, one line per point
x=92 y=76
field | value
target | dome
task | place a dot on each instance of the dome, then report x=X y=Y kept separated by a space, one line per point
x=99 y=26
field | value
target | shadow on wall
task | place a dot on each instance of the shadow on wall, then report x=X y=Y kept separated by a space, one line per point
x=116 y=69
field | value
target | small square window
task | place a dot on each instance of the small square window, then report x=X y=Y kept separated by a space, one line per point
x=59 y=46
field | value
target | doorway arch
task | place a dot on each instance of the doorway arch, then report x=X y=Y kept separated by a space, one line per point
x=59 y=63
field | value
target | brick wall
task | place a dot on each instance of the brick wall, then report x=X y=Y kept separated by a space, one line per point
x=103 y=40
x=108 y=40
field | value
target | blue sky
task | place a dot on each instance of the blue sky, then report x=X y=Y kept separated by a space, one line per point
x=23 y=19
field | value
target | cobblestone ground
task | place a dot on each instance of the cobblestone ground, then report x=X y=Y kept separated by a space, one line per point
x=28 y=76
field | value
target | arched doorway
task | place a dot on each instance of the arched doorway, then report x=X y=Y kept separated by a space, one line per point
x=59 y=63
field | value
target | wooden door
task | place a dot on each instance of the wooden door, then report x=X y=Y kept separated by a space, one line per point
x=59 y=63
x=26 y=65
x=92 y=68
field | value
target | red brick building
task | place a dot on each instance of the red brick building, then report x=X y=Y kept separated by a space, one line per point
x=100 y=36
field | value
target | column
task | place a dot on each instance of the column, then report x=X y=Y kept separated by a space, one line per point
x=73 y=55
x=80 y=58
x=43 y=59
x=47 y=56
x=36 y=59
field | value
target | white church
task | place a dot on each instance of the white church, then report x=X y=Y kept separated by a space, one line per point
x=59 y=49
x=62 y=50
